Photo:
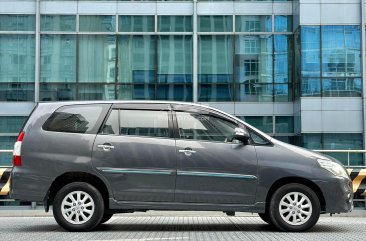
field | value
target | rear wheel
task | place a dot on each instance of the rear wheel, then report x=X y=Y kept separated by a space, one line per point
x=265 y=217
x=294 y=207
x=78 y=206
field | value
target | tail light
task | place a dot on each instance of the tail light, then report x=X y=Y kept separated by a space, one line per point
x=17 y=159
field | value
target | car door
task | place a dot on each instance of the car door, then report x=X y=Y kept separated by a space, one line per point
x=135 y=152
x=211 y=168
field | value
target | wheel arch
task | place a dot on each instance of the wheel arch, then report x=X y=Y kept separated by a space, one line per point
x=287 y=180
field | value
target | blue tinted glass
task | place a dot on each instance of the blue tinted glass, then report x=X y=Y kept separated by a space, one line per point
x=342 y=87
x=6 y=143
x=310 y=51
x=254 y=92
x=11 y=124
x=282 y=59
x=253 y=23
x=17 y=22
x=215 y=92
x=284 y=124
x=310 y=87
x=341 y=51
x=263 y=123
x=282 y=92
x=283 y=23
x=136 y=92
x=57 y=92
x=178 y=92
x=215 y=23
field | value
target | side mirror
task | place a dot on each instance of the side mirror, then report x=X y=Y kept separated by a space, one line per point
x=241 y=135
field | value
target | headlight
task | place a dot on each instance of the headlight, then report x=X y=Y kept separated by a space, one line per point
x=333 y=167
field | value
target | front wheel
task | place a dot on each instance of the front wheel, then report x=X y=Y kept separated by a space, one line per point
x=78 y=206
x=294 y=207
x=265 y=217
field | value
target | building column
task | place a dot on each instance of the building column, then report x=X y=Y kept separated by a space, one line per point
x=38 y=52
x=195 y=54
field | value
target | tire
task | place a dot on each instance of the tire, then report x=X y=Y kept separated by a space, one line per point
x=91 y=205
x=106 y=217
x=296 y=217
x=266 y=218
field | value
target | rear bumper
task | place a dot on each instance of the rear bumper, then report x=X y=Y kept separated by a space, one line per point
x=27 y=187
x=338 y=194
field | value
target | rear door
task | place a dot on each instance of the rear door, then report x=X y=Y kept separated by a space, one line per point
x=135 y=152
x=210 y=167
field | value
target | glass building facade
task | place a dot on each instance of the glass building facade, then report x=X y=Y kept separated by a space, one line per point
x=275 y=64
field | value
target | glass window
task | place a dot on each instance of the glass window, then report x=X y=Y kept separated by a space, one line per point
x=57 y=92
x=283 y=51
x=101 y=23
x=16 y=22
x=136 y=23
x=310 y=87
x=74 y=119
x=215 y=23
x=342 y=87
x=253 y=23
x=254 y=67
x=263 y=123
x=58 y=58
x=204 y=127
x=58 y=23
x=111 y=126
x=96 y=92
x=284 y=124
x=312 y=141
x=283 y=23
x=178 y=92
x=6 y=143
x=97 y=56
x=341 y=51
x=136 y=92
x=282 y=92
x=11 y=124
x=17 y=75
x=144 y=123
x=175 y=24
x=215 y=68
x=257 y=139
x=310 y=51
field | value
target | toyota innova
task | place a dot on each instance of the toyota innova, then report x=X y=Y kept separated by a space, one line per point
x=90 y=160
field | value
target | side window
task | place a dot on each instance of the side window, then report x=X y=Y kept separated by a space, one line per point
x=111 y=126
x=74 y=119
x=257 y=139
x=144 y=123
x=204 y=127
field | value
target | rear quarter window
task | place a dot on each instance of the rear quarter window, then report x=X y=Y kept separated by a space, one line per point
x=74 y=119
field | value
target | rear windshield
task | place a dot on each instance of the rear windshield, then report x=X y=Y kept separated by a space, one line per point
x=74 y=119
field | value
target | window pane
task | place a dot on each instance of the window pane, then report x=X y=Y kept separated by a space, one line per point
x=136 y=92
x=310 y=51
x=178 y=92
x=58 y=58
x=97 y=56
x=16 y=92
x=58 y=23
x=215 y=23
x=144 y=123
x=282 y=92
x=74 y=119
x=253 y=23
x=254 y=92
x=263 y=123
x=283 y=23
x=342 y=87
x=57 y=92
x=175 y=24
x=283 y=51
x=11 y=124
x=310 y=87
x=284 y=124
x=103 y=23
x=111 y=126
x=312 y=141
x=96 y=92
x=341 y=52
x=6 y=143
x=136 y=24
x=136 y=59
x=215 y=66
x=204 y=127
x=14 y=22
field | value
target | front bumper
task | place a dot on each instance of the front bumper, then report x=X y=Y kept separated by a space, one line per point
x=338 y=194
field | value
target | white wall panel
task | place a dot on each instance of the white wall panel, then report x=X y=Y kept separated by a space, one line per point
x=311 y=121
x=342 y=121
x=9 y=7
x=64 y=7
x=16 y=109
x=340 y=14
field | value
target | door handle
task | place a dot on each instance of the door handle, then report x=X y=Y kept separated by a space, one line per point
x=106 y=147
x=187 y=151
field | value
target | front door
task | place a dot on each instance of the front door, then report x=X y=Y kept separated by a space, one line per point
x=212 y=168
x=136 y=154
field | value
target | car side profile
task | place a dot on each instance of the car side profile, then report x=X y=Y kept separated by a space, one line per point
x=90 y=160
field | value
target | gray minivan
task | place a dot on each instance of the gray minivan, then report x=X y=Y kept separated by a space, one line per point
x=90 y=160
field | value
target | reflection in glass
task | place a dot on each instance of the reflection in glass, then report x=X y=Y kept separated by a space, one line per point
x=6 y=143
x=310 y=51
x=282 y=92
x=283 y=23
x=128 y=23
x=136 y=92
x=97 y=23
x=58 y=58
x=310 y=87
x=97 y=55
x=215 y=66
x=58 y=23
x=96 y=92
x=253 y=67
x=175 y=23
x=57 y=92
x=263 y=123
x=283 y=51
x=342 y=87
x=284 y=124
x=11 y=124
x=341 y=51
x=17 y=22
x=253 y=23
x=215 y=23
